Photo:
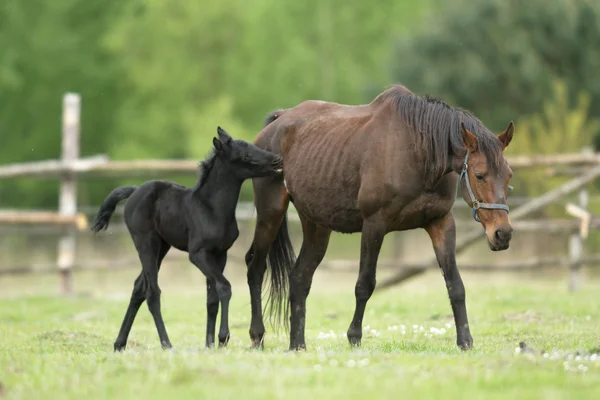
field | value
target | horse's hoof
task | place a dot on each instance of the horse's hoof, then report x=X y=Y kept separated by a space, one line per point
x=465 y=345
x=119 y=346
x=297 y=348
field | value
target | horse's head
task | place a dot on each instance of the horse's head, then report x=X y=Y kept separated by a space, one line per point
x=245 y=159
x=485 y=187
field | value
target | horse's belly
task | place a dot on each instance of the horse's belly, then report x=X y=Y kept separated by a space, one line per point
x=330 y=207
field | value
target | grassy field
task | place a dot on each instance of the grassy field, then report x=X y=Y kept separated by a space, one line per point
x=61 y=348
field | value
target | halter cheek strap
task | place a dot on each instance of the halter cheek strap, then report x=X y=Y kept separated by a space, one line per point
x=476 y=203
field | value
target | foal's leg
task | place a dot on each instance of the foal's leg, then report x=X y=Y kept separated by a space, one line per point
x=314 y=247
x=212 y=308
x=370 y=245
x=149 y=247
x=443 y=237
x=137 y=298
x=212 y=268
x=271 y=201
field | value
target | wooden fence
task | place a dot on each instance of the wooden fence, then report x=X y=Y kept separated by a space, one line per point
x=70 y=167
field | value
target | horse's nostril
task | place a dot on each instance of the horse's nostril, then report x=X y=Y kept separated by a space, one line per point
x=498 y=235
x=502 y=234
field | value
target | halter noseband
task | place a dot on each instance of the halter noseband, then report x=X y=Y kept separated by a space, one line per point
x=476 y=203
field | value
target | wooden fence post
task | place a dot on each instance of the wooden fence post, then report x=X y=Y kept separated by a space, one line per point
x=68 y=187
x=576 y=242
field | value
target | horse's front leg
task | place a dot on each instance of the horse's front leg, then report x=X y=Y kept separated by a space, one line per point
x=443 y=237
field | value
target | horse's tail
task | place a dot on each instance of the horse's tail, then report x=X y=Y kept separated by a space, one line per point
x=273 y=116
x=110 y=204
x=280 y=261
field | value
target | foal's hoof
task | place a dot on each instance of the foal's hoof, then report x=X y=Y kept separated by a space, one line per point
x=166 y=345
x=466 y=344
x=297 y=347
x=258 y=344
x=223 y=341
x=354 y=340
x=119 y=347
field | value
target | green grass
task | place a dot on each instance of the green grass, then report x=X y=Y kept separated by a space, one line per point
x=55 y=348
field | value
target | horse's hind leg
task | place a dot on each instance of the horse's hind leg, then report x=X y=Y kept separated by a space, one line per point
x=138 y=296
x=271 y=200
x=150 y=247
x=314 y=247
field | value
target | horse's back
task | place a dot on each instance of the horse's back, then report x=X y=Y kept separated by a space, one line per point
x=324 y=146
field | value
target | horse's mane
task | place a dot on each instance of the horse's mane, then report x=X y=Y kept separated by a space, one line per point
x=204 y=168
x=436 y=128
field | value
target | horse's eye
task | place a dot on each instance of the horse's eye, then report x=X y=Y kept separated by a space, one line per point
x=246 y=158
x=479 y=177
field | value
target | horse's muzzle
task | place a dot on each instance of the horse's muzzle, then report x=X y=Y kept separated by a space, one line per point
x=501 y=239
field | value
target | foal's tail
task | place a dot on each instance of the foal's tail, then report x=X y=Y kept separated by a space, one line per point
x=108 y=207
x=280 y=261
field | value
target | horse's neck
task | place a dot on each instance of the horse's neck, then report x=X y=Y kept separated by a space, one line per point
x=220 y=190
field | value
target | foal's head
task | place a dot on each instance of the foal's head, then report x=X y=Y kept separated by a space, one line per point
x=246 y=160
x=485 y=186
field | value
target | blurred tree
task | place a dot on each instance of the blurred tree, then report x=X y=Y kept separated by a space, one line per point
x=331 y=50
x=49 y=48
x=499 y=58
x=175 y=55
x=558 y=128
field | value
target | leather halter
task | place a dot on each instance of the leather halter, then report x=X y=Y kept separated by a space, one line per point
x=476 y=203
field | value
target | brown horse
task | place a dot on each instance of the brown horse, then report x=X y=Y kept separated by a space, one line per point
x=390 y=165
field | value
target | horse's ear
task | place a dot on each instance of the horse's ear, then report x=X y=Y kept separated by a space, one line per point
x=506 y=136
x=469 y=139
x=218 y=145
x=223 y=136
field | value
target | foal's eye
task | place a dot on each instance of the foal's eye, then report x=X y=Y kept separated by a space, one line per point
x=480 y=177
x=246 y=158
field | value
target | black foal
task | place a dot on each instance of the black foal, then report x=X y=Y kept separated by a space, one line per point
x=199 y=220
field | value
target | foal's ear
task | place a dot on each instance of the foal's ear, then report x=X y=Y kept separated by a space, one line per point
x=506 y=136
x=224 y=136
x=218 y=145
x=468 y=138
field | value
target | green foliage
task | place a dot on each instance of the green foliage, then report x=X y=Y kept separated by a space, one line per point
x=49 y=48
x=157 y=77
x=499 y=58
x=558 y=128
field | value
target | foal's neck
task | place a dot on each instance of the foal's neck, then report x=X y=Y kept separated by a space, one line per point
x=220 y=189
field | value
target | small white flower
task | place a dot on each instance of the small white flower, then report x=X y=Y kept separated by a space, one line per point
x=351 y=363
x=333 y=363
x=318 y=367
x=364 y=362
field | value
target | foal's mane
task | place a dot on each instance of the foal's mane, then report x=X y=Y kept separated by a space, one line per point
x=435 y=126
x=204 y=168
